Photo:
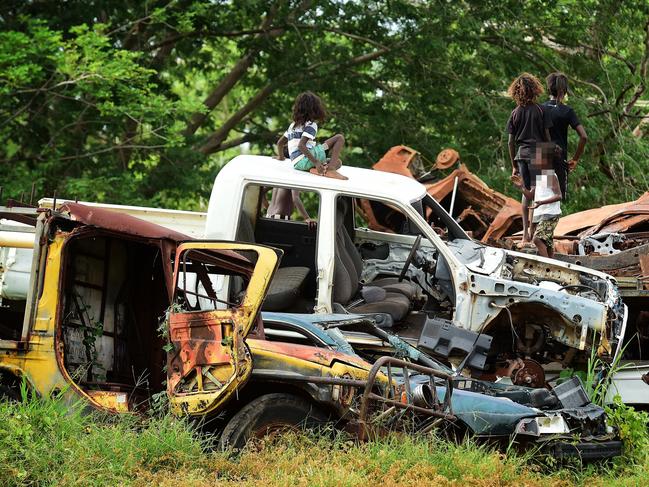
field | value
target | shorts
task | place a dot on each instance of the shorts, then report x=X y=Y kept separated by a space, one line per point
x=304 y=164
x=545 y=230
x=561 y=170
x=524 y=170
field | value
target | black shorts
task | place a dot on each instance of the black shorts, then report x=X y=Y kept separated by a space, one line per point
x=561 y=170
x=524 y=170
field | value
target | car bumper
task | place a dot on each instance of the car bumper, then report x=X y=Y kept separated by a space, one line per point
x=587 y=451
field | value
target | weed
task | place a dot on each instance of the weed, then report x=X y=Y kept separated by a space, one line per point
x=46 y=441
x=632 y=426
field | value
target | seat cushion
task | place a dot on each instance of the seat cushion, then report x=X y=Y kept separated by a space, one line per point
x=285 y=288
x=394 y=304
x=392 y=285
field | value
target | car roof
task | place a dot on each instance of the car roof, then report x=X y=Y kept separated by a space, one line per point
x=361 y=181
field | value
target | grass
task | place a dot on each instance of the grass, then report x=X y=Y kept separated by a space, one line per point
x=45 y=442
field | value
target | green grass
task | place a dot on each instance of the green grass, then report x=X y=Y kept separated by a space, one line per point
x=44 y=442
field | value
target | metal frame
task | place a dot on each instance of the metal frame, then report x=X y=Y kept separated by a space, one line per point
x=441 y=409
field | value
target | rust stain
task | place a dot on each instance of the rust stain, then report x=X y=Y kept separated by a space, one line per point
x=486 y=213
x=585 y=220
x=321 y=356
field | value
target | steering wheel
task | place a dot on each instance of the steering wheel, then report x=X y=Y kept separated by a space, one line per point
x=411 y=256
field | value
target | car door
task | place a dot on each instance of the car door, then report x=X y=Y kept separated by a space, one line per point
x=207 y=357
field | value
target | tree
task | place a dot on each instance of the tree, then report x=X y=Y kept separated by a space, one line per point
x=141 y=103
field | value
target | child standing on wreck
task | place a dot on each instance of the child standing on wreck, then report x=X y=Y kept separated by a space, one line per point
x=527 y=126
x=546 y=194
x=306 y=155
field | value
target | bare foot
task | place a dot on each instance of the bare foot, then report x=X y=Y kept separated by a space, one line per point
x=332 y=173
x=314 y=170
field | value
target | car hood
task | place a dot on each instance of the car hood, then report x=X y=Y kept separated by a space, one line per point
x=317 y=355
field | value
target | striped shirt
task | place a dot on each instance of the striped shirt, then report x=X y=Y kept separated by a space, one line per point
x=294 y=133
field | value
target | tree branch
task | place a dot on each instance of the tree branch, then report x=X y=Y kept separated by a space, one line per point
x=215 y=140
x=239 y=69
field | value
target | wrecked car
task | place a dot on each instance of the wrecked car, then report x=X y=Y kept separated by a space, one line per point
x=542 y=314
x=613 y=239
x=428 y=278
x=561 y=421
x=117 y=311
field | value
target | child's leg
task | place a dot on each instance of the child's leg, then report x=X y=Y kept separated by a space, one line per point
x=524 y=170
x=540 y=245
x=526 y=225
x=335 y=146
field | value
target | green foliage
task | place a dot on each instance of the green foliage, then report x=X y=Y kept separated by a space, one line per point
x=633 y=428
x=143 y=102
x=48 y=442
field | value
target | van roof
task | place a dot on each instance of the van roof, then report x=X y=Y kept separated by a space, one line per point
x=361 y=181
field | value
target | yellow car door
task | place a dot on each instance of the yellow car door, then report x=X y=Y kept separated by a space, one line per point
x=218 y=291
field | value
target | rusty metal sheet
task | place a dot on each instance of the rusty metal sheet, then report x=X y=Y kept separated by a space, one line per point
x=623 y=222
x=119 y=222
x=397 y=160
x=584 y=220
x=500 y=212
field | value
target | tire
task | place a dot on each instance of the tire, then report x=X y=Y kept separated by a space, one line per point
x=270 y=414
x=9 y=394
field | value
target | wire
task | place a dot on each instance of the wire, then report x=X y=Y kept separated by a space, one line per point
x=511 y=322
x=583 y=286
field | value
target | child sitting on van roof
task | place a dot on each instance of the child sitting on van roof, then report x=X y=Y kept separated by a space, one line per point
x=306 y=155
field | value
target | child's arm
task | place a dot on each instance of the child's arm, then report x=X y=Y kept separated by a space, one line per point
x=304 y=150
x=554 y=184
x=512 y=154
x=281 y=144
x=518 y=182
x=297 y=201
x=583 y=138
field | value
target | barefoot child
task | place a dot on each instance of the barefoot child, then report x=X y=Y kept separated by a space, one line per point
x=306 y=155
x=546 y=194
x=527 y=126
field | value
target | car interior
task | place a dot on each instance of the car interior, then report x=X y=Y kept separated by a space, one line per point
x=110 y=339
x=294 y=286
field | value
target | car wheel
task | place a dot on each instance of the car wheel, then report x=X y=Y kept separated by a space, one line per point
x=9 y=394
x=270 y=415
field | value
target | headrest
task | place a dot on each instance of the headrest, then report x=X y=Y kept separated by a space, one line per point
x=342 y=205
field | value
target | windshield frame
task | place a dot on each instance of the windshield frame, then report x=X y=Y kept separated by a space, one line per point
x=455 y=231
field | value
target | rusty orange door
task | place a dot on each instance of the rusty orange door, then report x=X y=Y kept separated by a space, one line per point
x=218 y=292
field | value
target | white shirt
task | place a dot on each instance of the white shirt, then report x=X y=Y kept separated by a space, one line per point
x=294 y=133
x=544 y=189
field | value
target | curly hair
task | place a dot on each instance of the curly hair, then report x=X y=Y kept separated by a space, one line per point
x=308 y=107
x=525 y=89
x=557 y=84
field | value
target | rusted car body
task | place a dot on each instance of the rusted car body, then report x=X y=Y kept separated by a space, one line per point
x=487 y=214
x=114 y=300
x=613 y=238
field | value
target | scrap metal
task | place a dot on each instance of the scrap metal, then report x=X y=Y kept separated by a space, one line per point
x=488 y=214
